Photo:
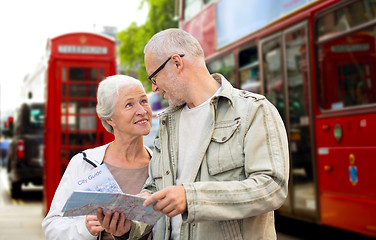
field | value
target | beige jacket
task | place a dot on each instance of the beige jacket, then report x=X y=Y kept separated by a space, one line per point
x=240 y=176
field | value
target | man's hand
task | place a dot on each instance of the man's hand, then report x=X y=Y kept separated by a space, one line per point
x=114 y=223
x=93 y=225
x=144 y=195
x=171 y=201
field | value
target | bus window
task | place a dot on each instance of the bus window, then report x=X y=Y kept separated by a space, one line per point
x=194 y=7
x=286 y=86
x=296 y=68
x=347 y=70
x=346 y=18
x=273 y=73
x=224 y=65
x=249 y=70
x=191 y=8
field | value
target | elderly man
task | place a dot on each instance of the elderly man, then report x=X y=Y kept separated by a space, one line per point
x=220 y=163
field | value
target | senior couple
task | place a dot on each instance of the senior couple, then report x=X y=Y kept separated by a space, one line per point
x=219 y=167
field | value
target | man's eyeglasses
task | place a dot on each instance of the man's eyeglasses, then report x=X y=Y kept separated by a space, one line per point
x=160 y=68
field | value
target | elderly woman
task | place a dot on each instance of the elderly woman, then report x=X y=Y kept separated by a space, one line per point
x=125 y=112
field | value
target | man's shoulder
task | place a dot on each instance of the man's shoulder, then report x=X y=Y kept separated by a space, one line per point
x=246 y=102
x=247 y=95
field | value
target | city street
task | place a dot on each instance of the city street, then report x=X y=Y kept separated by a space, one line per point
x=20 y=218
x=289 y=89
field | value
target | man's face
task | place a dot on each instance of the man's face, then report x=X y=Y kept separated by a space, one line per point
x=167 y=82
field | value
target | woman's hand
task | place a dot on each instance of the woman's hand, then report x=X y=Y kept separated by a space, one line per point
x=114 y=223
x=93 y=225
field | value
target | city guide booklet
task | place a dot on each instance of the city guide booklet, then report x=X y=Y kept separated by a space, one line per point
x=98 y=188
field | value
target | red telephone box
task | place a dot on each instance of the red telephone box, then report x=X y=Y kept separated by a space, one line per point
x=77 y=63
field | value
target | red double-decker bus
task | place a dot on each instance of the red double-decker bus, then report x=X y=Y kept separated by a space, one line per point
x=66 y=82
x=315 y=61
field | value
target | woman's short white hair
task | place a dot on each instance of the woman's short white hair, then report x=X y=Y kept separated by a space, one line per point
x=107 y=94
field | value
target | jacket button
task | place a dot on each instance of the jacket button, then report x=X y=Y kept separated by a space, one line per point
x=224 y=138
x=167 y=172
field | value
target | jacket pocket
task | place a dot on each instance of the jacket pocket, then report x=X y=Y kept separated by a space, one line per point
x=225 y=156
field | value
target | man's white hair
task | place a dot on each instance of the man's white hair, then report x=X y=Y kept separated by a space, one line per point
x=174 y=41
x=108 y=93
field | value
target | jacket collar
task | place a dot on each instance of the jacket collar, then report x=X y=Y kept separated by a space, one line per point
x=227 y=88
x=226 y=92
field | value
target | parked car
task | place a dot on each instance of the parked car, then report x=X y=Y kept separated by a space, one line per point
x=25 y=152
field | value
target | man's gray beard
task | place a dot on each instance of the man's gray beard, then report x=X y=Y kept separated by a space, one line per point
x=173 y=101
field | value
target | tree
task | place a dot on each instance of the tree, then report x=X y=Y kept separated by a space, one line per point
x=134 y=38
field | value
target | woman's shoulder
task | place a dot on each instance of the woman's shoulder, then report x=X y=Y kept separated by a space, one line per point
x=94 y=155
x=96 y=150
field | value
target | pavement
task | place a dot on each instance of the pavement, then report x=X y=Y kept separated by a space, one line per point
x=20 y=218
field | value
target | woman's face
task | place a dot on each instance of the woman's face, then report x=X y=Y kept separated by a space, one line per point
x=132 y=113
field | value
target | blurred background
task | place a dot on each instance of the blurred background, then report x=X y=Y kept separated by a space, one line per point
x=314 y=60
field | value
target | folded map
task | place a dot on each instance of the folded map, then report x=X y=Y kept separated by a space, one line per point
x=87 y=202
x=98 y=179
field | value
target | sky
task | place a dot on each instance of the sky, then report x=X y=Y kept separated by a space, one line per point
x=25 y=26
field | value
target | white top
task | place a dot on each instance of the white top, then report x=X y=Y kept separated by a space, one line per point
x=54 y=225
x=192 y=124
